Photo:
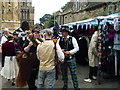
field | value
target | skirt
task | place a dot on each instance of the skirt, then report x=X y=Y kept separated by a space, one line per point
x=10 y=69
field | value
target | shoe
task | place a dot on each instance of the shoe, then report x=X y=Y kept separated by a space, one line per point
x=88 y=80
x=64 y=87
x=13 y=83
x=94 y=77
x=77 y=88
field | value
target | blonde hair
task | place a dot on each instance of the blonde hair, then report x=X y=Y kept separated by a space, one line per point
x=49 y=32
x=5 y=30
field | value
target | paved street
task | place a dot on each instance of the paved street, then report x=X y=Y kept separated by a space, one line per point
x=82 y=73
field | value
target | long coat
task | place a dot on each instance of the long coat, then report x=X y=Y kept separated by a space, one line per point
x=92 y=51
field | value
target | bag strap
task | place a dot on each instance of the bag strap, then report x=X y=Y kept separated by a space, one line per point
x=56 y=57
x=15 y=46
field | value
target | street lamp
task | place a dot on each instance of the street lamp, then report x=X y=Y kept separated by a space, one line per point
x=54 y=18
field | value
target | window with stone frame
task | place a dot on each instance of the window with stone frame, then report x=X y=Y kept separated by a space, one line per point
x=78 y=5
x=9 y=1
x=111 y=9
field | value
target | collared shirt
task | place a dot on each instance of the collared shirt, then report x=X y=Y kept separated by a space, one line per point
x=75 y=45
x=3 y=39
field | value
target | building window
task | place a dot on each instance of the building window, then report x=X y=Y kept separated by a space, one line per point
x=9 y=2
x=26 y=15
x=111 y=9
x=2 y=11
x=78 y=5
x=28 y=3
x=115 y=7
x=23 y=14
x=23 y=3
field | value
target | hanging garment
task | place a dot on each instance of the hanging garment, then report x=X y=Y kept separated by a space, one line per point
x=117 y=49
x=117 y=42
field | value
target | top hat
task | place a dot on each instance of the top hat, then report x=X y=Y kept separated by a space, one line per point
x=15 y=33
x=10 y=37
x=65 y=29
x=34 y=30
x=28 y=32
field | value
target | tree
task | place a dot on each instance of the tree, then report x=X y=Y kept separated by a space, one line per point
x=37 y=25
x=50 y=22
x=63 y=7
x=45 y=18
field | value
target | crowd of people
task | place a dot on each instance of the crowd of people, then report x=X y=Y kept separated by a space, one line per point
x=27 y=57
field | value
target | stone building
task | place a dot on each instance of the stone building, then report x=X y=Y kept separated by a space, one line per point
x=77 y=11
x=13 y=13
x=27 y=13
x=0 y=15
x=10 y=15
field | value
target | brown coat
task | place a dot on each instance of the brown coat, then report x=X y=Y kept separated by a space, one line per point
x=26 y=65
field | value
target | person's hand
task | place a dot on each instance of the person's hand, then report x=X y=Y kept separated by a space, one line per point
x=67 y=53
x=30 y=44
x=63 y=50
x=59 y=62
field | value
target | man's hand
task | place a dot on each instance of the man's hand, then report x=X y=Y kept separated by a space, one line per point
x=67 y=52
x=63 y=50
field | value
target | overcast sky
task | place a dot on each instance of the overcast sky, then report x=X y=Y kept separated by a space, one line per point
x=47 y=7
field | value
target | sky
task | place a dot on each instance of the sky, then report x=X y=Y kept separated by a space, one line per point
x=43 y=7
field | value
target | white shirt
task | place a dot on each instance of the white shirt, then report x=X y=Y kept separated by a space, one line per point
x=3 y=40
x=75 y=45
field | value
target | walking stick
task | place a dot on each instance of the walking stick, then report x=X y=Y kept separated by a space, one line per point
x=56 y=60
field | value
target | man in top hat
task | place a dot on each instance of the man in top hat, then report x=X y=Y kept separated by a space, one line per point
x=16 y=40
x=69 y=47
x=15 y=36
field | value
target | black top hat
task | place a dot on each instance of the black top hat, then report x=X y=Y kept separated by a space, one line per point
x=10 y=37
x=34 y=30
x=15 y=33
x=65 y=29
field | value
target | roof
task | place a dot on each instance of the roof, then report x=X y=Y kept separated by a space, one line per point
x=93 y=5
x=68 y=6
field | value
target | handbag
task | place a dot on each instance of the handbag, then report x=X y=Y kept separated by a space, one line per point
x=22 y=58
x=20 y=55
x=0 y=49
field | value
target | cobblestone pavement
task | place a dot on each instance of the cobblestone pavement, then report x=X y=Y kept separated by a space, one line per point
x=82 y=72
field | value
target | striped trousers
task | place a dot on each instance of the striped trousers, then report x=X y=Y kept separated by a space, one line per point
x=71 y=64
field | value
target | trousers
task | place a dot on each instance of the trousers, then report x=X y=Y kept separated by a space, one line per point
x=71 y=64
x=48 y=76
